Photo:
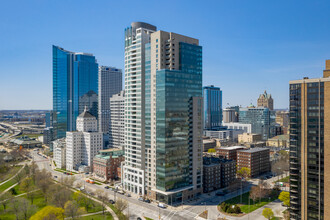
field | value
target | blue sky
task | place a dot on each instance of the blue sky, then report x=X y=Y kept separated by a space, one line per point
x=248 y=46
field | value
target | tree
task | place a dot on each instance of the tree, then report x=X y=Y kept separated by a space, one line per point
x=22 y=208
x=6 y=198
x=211 y=150
x=244 y=172
x=103 y=197
x=83 y=200
x=26 y=184
x=268 y=213
x=72 y=209
x=254 y=193
x=49 y=213
x=58 y=195
x=285 y=198
x=121 y=205
x=43 y=181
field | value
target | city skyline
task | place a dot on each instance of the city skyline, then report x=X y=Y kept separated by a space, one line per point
x=244 y=44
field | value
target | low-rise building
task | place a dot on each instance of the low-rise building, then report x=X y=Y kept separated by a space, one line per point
x=279 y=141
x=230 y=153
x=208 y=144
x=217 y=173
x=106 y=164
x=59 y=152
x=249 y=138
x=26 y=142
x=226 y=134
x=247 y=128
x=256 y=159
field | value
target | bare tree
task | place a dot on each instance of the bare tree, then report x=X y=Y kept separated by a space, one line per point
x=58 y=195
x=16 y=207
x=6 y=198
x=103 y=197
x=43 y=181
x=121 y=204
x=26 y=209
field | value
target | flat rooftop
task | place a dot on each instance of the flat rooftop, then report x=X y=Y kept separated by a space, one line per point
x=253 y=150
x=232 y=147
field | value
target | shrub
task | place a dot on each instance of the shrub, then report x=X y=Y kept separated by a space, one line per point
x=237 y=209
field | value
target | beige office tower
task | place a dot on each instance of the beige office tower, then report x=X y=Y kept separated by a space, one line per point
x=310 y=147
x=174 y=159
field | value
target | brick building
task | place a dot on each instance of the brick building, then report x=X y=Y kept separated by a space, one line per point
x=256 y=159
x=106 y=164
x=229 y=153
x=217 y=173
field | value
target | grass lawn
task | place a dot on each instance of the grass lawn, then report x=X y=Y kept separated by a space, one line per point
x=284 y=180
x=63 y=170
x=106 y=216
x=245 y=202
x=11 y=172
x=8 y=184
x=148 y=218
x=119 y=214
x=29 y=135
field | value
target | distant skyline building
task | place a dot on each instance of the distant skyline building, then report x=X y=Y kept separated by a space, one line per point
x=84 y=144
x=309 y=147
x=259 y=118
x=75 y=85
x=266 y=100
x=230 y=114
x=117 y=121
x=110 y=83
x=212 y=107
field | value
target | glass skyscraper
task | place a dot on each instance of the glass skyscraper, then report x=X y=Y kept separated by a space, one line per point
x=75 y=85
x=212 y=107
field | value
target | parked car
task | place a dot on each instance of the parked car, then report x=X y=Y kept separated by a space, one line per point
x=147 y=200
x=138 y=218
x=106 y=187
x=140 y=199
x=162 y=205
x=55 y=176
x=128 y=195
x=111 y=201
x=220 y=194
x=121 y=192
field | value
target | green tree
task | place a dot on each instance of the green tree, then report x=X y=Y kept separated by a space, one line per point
x=285 y=198
x=211 y=150
x=244 y=172
x=268 y=213
x=49 y=212
x=71 y=209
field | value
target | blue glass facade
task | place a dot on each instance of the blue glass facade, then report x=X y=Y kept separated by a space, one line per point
x=174 y=92
x=75 y=83
x=212 y=107
x=259 y=118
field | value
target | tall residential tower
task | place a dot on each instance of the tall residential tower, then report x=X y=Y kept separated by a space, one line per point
x=310 y=147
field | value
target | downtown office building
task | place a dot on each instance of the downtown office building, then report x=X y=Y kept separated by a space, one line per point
x=75 y=85
x=163 y=114
x=310 y=147
x=212 y=107
x=110 y=83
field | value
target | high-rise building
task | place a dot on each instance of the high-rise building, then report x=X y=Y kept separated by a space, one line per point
x=110 y=83
x=84 y=144
x=259 y=118
x=309 y=147
x=117 y=121
x=168 y=166
x=136 y=37
x=230 y=114
x=212 y=107
x=75 y=83
x=49 y=119
x=59 y=153
x=266 y=100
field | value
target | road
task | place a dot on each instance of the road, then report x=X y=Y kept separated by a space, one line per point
x=141 y=209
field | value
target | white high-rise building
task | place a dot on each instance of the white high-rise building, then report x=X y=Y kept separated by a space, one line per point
x=82 y=145
x=110 y=83
x=59 y=152
x=136 y=37
x=117 y=122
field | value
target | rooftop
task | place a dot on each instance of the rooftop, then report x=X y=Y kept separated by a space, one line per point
x=232 y=147
x=280 y=137
x=253 y=150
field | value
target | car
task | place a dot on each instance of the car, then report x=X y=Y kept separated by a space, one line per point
x=147 y=200
x=138 y=218
x=128 y=195
x=140 y=199
x=111 y=201
x=55 y=176
x=220 y=194
x=121 y=192
x=161 y=205
x=106 y=187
